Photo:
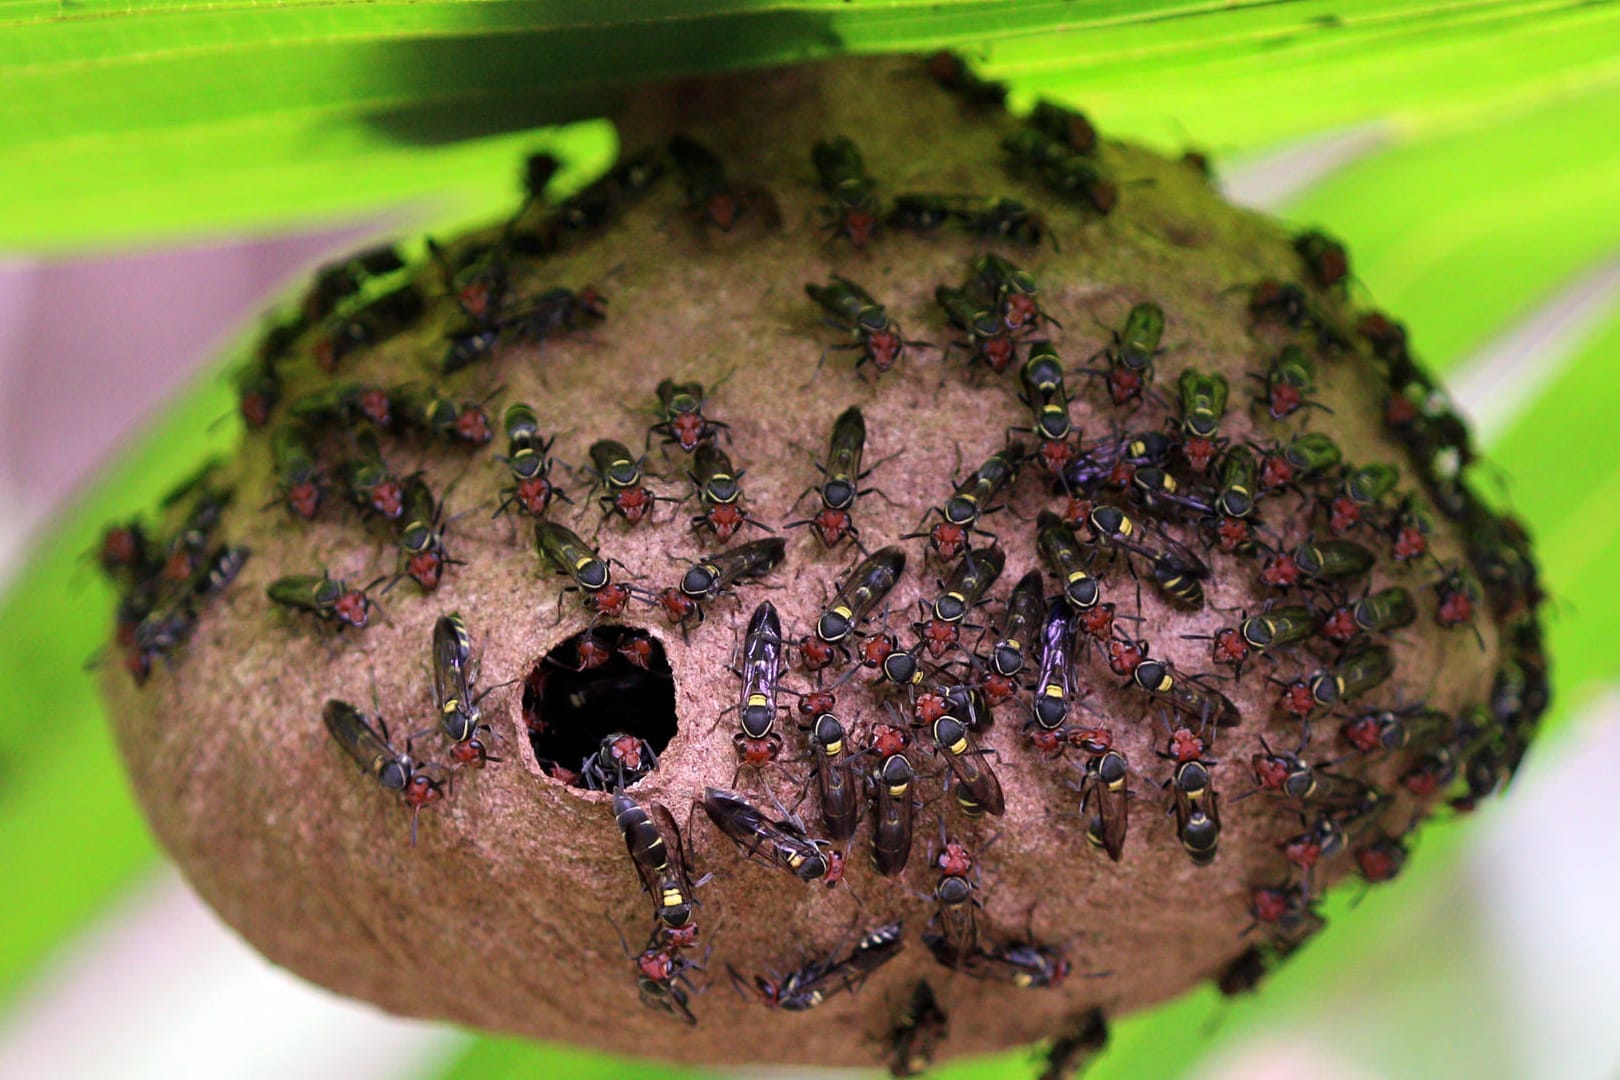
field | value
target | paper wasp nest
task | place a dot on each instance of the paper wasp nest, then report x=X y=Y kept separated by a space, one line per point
x=1212 y=620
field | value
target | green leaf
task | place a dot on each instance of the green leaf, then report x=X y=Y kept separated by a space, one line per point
x=125 y=120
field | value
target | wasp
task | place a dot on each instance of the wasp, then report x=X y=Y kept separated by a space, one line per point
x=654 y=843
x=987 y=338
x=343 y=405
x=661 y=979
x=717 y=199
x=1185 y=695
x=842 y=174
x=370 y=749
x=421 y=540
x=620 y=761
x=809 y=986
x=561 y=548
x=971 y=500
x=1289 y=381
x=1104 y=801
x=1161 y=496
x=1018 y=622
x=592 y=207
x=1066 y=125
x=973 y=576
x=620 y=474
x=1060 y=169
x=1047 y=398
x=952 y=73
x=1130 y=360
x=1065 y=558
x=1203 y=402
x=453 y=676
x=921 y=1026
x=705 y=581
x=1364 y=486
x=838 y=780
x=895 y=666
x=1176 y=570
x=955 y=905
x=720 y=493
x=372 y=487
x=683 y=423
x=977 y=789
x=370 y=325
x=1279 y=627
x=892 y=815
x=757 y=743
x=1014 y=291
x=1333 y=560
x=342 y=278
x=1421 y=729
x=302 y=485
x=1054 y=686
x=528 y=458
x=878 y=337
x=1023 y=964
x=998 y=218
x=1381 y=612
x=1352 y=676
x=1325 y=258
x=440 y=417
x=862 y=591
x=1311 y=454
x=841 y=479
x=1195 y=804
x=783 y=844
x=324 y=597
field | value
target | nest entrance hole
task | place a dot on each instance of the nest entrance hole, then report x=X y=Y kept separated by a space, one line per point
x=593 y=685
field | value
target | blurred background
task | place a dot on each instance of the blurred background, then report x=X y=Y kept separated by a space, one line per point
x=1467 y=156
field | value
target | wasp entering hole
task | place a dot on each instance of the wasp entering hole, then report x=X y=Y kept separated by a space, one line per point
x=600 y=707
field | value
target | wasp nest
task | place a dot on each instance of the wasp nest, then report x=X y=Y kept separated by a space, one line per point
x=870 y=555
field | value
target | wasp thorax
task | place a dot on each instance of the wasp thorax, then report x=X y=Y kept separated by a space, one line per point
x=1006 y=529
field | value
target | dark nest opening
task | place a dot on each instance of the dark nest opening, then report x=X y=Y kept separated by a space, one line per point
x=583 y=698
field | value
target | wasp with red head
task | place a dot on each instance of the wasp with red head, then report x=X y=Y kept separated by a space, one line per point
x=973 y=576
x=620 y=761
x=301 y=483
x=851 y=308
x=561 y=548
x=719 y=490
x=425 y=410
x=988 y=340
x=369 y=325
x=1062 y=171
x=705 y=581
x=1067 y=559
x=370 y=749
x=978 y=791
x=325 y=597
x=1047 y=398
x=717 y=199
x=1012 y=290
x=955 y=905
x=683 y=424
x=371 y=486
x=1130 y=358
x=1009 y=655
x=856 y=209
x=841 y=478
x=660 y=971
x=422 y=553
x=619 y=474
x=454 y=675
x=528 y=457
x=971 y=500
